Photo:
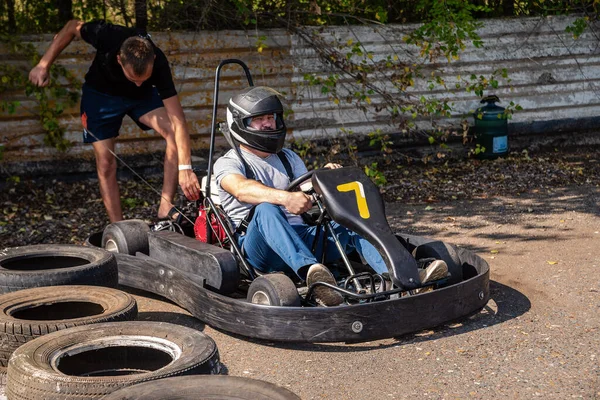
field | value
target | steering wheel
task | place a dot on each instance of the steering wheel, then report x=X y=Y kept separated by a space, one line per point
x=305 y=176
x=310 y=217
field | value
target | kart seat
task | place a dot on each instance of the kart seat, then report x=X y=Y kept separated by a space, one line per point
x=353 y=201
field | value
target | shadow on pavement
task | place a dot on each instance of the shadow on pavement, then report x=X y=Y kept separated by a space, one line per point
x=472 y=214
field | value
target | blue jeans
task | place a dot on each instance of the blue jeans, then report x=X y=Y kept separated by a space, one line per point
x=272 y=244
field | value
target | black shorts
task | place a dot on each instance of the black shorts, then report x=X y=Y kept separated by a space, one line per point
x=102 y=114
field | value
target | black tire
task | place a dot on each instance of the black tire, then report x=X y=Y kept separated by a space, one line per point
x=56 y=264
x=31 y=313
x=203 y=387
x=442 y=251
x=94 y=240
x=274 y=290
x=126 y=237
x=88 y=362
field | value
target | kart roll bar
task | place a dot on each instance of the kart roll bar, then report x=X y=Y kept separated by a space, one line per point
x=214 y=113
x=230 y=235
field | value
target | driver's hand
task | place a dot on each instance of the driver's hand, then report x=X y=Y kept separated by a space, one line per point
x=39 y=76
x=333 y=166
x=298 y=202
x=189 y=184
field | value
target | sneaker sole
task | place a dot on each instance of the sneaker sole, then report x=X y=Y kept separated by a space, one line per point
x=327 y=296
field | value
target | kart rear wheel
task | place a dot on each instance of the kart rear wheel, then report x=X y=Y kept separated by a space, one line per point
x=126 y=237
x=442 y=251
x=273 y=290
x=205 y=387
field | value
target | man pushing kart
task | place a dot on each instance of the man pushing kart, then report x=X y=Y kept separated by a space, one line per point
x=129 y=76
x=252 y=179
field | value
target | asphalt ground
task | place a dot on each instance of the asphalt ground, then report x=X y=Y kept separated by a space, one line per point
x=538 y=337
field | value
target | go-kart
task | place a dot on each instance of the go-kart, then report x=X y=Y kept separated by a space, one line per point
x=196 y=262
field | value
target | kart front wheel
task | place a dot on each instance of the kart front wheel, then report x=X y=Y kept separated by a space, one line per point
x=442 y=251
x=273 y=290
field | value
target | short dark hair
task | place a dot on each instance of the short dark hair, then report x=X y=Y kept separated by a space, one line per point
x=137 y=52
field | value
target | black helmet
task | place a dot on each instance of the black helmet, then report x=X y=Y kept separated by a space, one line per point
x=252 y=102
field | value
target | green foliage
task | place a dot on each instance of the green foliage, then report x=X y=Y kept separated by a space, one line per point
x=51 y=100
x=577 y=27
x=375 y=174
x=131 y=203
x=449 y=24
x=455 y=17
x=356 y=76
x=478 y=149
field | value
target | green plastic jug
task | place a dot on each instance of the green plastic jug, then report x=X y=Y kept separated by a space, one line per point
x=491 y=128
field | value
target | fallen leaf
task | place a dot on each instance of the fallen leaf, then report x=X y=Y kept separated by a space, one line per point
x=552 y=262
x=494 y=251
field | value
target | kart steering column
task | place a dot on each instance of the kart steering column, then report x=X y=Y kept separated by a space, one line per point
x=329 y=230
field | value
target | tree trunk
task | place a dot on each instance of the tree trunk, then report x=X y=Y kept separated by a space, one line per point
x=10 y=10
x=123 y=8
x=141 y=15
x=508 y=8
x=65 y=11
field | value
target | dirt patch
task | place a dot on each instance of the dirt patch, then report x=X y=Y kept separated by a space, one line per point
x=62 y=211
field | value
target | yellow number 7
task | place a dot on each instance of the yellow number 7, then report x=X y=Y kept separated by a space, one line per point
x=361 y=200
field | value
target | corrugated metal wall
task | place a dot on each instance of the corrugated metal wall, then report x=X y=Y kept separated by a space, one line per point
x=554 y=78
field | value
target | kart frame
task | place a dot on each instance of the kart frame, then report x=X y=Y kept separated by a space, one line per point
x=189 y=287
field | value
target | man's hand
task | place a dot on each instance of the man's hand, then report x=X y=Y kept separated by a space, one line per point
x=39 y=76
x=189 y=184
x=333 y=166
x=298 y=202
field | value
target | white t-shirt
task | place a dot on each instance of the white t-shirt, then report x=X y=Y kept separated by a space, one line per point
x=269 y=171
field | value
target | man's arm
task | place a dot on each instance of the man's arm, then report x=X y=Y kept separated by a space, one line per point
x=187 y=178
x=253 y=192
x=39 y=74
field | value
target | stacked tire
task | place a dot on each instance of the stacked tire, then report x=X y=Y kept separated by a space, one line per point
x=88 y=362
x=56 y=264
x=67 y=333
x=30 y=313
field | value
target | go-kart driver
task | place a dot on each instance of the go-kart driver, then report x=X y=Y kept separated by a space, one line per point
x=276 y=238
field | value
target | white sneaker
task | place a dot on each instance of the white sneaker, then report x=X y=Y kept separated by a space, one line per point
x=436 y=269
x=323 y=295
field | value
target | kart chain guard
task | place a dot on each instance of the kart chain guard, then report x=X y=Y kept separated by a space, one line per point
x=353 y=201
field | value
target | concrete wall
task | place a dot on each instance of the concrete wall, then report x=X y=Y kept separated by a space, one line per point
x=554 y=78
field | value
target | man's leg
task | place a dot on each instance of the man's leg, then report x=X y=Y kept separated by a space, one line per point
x=350 y=241
x=158 y=120
x=101 y=117
x=272 y=244
x=106 y=166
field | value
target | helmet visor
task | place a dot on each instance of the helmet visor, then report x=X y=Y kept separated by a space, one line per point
x=264 y=123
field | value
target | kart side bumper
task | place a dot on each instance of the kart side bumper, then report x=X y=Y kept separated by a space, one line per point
x=354 y=323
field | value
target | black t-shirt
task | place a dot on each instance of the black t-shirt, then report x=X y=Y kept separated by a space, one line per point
x=106 y=75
